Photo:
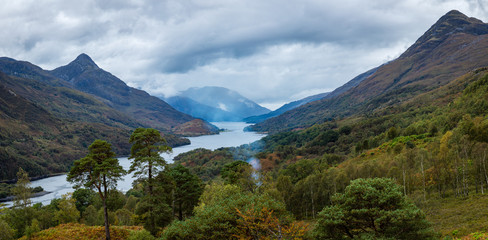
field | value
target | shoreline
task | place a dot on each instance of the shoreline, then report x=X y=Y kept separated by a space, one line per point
x=34 y=195
x=13 y=181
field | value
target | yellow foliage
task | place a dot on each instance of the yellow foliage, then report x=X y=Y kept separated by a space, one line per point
x=263 y=224
x=75 y=231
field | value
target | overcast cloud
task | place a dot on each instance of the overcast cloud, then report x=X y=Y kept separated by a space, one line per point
x=271 y=51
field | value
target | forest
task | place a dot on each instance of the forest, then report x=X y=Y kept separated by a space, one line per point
x=412 y=170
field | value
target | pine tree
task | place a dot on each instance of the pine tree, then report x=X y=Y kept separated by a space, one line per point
x=100 y=170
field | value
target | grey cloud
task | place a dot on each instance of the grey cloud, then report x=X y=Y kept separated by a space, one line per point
x=260 y=48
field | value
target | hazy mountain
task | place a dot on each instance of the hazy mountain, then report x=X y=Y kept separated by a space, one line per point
x=454 y=45
x=284 y=108
x=199 y=110
x=216 y=104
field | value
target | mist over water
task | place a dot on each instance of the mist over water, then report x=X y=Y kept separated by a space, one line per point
x=232 y=136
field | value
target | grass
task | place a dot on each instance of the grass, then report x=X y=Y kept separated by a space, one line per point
x=464 y=218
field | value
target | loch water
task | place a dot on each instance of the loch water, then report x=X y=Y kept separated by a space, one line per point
x=232 y=136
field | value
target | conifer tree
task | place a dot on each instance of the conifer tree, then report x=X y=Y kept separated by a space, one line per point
x=99 y=170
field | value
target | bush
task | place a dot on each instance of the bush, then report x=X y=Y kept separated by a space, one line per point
x=141 y=235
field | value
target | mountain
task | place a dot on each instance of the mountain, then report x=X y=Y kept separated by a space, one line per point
x=46 y=123
x=44 y=128
x=216 y=104
x=199 y=110
x=84 y=75
x=284 y=108
x=454 y=45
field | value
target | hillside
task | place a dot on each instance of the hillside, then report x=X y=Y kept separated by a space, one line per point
x=40 y=140
x=454 y=45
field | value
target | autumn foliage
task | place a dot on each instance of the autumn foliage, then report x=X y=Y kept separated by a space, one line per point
x=75 y=231
x=263 y=224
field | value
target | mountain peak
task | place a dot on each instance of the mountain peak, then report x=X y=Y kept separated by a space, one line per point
x=81 y=64
x=451 y=23
x=84 y=61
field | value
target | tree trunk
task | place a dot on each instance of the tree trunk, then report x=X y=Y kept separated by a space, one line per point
x=173 y=203
x=404 y=180
x=180 y=210
x=105 y=211
x=149 y=179
x=423 y=173
x=313 y=206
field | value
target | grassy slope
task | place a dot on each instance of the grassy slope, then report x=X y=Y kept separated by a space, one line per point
x=458 y=216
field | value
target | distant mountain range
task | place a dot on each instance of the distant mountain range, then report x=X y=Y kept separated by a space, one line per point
x=49 y=118
x=215 y=104
x=454 y=45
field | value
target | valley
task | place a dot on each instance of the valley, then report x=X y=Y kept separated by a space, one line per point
x=397 y=152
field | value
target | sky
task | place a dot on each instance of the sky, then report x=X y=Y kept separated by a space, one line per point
x=270 y=51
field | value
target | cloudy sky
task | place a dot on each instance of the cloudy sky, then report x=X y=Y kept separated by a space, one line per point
x=271 y=51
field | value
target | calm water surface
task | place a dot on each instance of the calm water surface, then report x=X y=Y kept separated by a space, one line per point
x=232 y=137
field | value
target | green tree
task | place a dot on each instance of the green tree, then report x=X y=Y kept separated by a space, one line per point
x=188 y=188
x=372 y=209
x=124 y=217
x=100 y=170
x=239 y=173
x=7 y=232
x=22 y=191
x=90 y=216
x=155 y=211
x=67 y=210
x=32 y=229
x=147 y=146
x=84 y=198
x=217 y=216
x=21 y=215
